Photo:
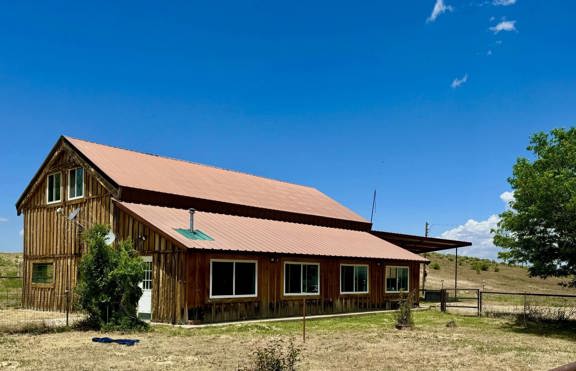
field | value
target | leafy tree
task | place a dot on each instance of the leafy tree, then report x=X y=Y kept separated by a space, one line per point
x=108 y=282
x=540 y=227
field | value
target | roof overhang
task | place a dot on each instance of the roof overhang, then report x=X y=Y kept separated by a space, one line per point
x=420 y=244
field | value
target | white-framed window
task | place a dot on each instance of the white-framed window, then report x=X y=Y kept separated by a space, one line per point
x=54 y=188
x=397 y=279
x=301 y=278
x=147 y=281
x=353 y=279
x=75 y=183
x=233 y=278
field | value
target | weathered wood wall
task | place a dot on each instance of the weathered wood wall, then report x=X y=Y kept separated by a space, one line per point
x=168 y=267
x=271 y=301
x=51 y=237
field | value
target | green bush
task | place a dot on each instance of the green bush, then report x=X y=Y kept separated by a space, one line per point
x=496 y=268
x=480 y=265
x=275 y=356
x=108 y=283
x=435 y=266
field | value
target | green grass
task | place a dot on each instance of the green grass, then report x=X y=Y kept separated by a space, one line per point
x=425 y=320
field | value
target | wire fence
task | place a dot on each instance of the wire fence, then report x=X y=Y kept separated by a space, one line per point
x=15 y=318
x=542 y=306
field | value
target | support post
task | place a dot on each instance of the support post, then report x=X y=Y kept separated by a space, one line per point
x=456 y=276
x=67 y=306
x=443 y=295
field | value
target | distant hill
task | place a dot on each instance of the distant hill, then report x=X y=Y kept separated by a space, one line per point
x=474 y=272
x=10 y=264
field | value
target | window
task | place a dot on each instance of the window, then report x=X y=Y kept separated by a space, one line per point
x=147 y=281
x=42 y=272
x=301 y=279
x=53 y=186
x=232 y=278
x=396 y=279
x=353 y=279
x=76 y=183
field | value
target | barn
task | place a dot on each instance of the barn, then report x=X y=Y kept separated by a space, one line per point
x=219 y=245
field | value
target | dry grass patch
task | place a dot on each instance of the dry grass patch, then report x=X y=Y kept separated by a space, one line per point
x=362 y=342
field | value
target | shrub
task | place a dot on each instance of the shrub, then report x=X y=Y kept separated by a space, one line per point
x=496 y=268
x=275 y=356
x=404 y=317
x=108 y=283
x=435 y=266
x=480 y=265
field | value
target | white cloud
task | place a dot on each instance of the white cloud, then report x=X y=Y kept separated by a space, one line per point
x=3 y=220
x=489 y=52
x=507 y=197
x=507 y=26
x=21 y=233
x=503 y=2
x=456 y=83
x=439 y=8
x=477 y=232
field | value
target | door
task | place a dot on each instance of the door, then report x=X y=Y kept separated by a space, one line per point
x=145 y=303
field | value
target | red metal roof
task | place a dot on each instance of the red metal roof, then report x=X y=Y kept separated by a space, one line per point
x=159 y=174
x=237 y=233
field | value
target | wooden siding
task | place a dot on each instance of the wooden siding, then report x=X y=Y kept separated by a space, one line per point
x=49 y=236
x=168 y=267
x=271 y=301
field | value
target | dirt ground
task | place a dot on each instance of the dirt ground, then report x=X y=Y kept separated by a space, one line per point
x=362 y=342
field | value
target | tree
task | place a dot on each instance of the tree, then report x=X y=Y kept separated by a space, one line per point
x=539 y=228
x=108 y=282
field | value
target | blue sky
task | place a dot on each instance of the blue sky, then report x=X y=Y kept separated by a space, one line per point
x=430 y=109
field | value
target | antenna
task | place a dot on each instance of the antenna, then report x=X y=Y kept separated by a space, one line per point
x=373 y=207
x=73 y=214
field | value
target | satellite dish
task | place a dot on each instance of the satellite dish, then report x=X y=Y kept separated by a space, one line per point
x=110 y=238
x=73 y=214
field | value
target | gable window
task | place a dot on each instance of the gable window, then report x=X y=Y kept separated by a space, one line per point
x=53 y=188
x=75 y=183
x=301 y=278
x=397 y=279
x=353 y=279
x=42 y=272
x=231 y=278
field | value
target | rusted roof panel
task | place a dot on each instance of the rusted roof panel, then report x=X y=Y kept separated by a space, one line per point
x=154 y=173
x=237 y=233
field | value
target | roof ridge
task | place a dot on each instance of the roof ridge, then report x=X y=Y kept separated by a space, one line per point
x=193 y=163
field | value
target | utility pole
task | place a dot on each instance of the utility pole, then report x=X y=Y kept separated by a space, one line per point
x=426 y=229
x=373 y=207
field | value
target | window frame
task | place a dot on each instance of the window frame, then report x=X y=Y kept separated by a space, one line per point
x=68 y=183
x=42 y=284
x=386 y=279
x=48 y=202
x=301 y=263
x=234 y=279
x=354 y=279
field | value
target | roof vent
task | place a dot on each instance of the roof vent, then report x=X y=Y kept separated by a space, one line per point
x=192 y=211
x=190 y=232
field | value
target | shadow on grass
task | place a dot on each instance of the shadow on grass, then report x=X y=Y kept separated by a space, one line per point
x=565 y=330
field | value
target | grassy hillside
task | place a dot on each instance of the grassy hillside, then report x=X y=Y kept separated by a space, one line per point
x=10 y=264
x=474 y=272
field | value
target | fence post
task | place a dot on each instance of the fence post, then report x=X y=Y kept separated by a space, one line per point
x=480 y=299
x=443 y=296
x=479 y=303
x=525 y=304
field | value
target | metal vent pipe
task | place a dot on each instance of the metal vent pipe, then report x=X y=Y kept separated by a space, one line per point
x=192 y=211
